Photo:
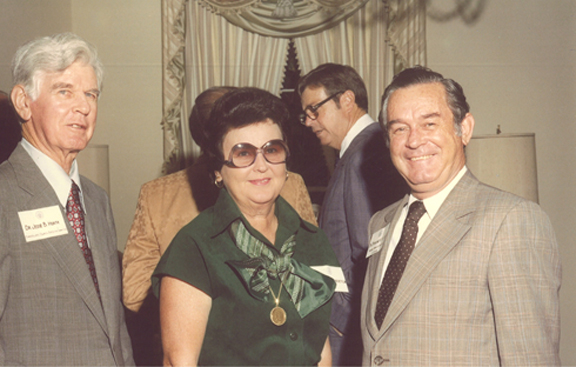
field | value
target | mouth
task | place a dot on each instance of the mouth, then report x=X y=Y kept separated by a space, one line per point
x=421 y=158
x=260 y=182
x=77 y=126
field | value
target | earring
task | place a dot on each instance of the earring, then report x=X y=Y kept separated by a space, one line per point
x=219 y=184
x=287 y=174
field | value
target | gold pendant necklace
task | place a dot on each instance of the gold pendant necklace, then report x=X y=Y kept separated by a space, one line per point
x=277 y=315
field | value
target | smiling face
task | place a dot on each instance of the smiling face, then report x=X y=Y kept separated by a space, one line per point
x=424 y=145
x=332 y=123
x=61 y=121
x=256 y=187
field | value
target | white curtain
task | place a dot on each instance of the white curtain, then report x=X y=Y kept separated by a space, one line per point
x=372 y=40
x=202 y=48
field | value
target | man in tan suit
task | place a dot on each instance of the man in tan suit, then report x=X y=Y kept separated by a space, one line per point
x=473 y=281
x=165 y=205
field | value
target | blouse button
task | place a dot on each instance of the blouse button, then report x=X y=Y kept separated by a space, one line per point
x=293 y=336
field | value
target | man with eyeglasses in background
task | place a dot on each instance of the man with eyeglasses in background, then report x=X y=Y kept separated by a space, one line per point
x=335 y=104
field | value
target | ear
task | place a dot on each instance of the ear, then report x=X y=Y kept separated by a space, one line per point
x=218 y=176
x=348 y=99
x=21 y=102
x=467 y=127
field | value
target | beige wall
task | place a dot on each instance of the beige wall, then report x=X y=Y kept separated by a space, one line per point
x=128 y=36
x=517 y=65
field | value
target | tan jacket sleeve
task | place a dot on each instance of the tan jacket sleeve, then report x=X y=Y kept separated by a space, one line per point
x=141 y=256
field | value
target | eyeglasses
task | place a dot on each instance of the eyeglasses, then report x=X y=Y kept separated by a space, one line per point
x=244 y=154
x=312 y=111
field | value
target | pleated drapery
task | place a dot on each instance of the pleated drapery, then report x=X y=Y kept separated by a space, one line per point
x=204 y=46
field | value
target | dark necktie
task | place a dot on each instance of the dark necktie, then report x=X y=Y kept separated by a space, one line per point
x=76 y=218
x=398 y=261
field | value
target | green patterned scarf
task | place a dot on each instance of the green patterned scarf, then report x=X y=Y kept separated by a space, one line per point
x=308 y=289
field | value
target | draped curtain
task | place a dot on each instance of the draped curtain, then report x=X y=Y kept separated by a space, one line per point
x=244 y=43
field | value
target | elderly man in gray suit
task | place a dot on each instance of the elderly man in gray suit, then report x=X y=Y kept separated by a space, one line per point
x=60 y=301
x=459 y=273
x=335 y=103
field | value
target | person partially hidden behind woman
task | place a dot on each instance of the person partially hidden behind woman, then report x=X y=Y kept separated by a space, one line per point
x=241 y=284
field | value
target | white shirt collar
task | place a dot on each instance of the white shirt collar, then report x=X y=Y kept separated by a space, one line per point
x=356 y=129
x=433 y=203
x=60 y=181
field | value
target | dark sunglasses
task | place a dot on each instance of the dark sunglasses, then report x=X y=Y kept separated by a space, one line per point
x=244 y=154
x=312 y=111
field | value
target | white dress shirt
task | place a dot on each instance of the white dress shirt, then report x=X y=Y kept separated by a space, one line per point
x=60 y=181
x=432 y=205
x=356 y=129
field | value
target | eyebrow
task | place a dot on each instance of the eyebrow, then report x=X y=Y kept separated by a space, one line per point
x=430 y=115
x=426 y=116
x=61 y=85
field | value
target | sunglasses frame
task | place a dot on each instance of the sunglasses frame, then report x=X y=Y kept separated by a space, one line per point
x=230 y=162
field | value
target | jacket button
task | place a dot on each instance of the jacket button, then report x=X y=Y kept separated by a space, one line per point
x=378 y=361
x=293 y=336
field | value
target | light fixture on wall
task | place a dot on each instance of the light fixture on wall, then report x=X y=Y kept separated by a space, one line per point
x=93 y=163
x=505 y=161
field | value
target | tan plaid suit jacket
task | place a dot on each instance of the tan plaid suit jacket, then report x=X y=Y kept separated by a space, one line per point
x=481 y=287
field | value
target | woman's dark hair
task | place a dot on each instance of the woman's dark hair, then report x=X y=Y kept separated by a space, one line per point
x=238 y=108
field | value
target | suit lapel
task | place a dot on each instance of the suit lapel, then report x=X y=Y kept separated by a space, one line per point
x=64 y=249
x=376 y=266
x=445 y=231
x=94 y=225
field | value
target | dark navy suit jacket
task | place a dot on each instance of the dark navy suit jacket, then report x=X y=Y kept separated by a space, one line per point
x=363 y=182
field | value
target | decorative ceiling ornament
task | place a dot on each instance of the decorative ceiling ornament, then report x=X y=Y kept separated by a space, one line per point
x=284 y=18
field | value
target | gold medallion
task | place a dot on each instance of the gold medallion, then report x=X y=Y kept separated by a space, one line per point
x=278 y=316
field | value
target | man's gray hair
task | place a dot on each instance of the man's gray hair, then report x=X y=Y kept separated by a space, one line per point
x=52 y=54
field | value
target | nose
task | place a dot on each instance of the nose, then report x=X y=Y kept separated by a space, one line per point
x=415 y=138
x=83 y=105
x=260 y=163
x=308 y=121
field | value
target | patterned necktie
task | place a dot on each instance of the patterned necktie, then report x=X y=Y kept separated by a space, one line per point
x=398 y=261
x=76 y=218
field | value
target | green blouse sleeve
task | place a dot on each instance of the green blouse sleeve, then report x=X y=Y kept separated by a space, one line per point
x=183 y=260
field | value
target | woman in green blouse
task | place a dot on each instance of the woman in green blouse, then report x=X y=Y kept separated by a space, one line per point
x=243 y=283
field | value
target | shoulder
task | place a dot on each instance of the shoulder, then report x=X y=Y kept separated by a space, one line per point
x=7 y=175
x=369 y=144
x=488 y=203
x=384 y=216
x=293 y=186
x=91 y=189
x=169 y=181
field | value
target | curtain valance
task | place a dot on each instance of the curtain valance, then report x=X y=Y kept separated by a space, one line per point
x=284 y=18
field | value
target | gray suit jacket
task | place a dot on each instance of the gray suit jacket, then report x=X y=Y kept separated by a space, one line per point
x=363 y=182
x=50 y=314
x=481 y=287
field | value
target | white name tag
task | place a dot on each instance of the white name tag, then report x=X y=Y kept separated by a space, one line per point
x=336 y=273
x=39 y=224
x=376 y=241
